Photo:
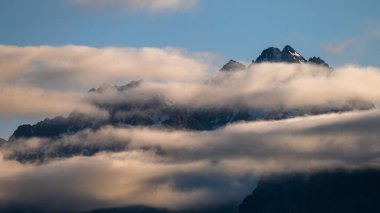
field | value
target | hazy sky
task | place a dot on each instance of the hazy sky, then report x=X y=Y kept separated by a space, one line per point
x=340 y=31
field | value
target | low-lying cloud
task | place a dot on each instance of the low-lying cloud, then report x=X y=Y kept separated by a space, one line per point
x=181 y=169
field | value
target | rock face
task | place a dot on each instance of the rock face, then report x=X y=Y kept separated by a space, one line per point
x=233 y=66
x=329 y=192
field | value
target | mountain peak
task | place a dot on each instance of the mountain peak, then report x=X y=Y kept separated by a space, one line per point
x=233 y=65
x=271 y=54
x=289 y=55
x=274 y=54
x=288 y=48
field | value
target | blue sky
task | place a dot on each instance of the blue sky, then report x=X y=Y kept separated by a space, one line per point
x=340 y=31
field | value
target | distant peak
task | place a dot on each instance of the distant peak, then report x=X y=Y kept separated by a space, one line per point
x=107 y=87
x=233 y=65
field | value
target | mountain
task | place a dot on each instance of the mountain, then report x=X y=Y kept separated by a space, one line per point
x=337 y=191
x=289 y=55
x=329 y=192
x=272 y=54
x=286 y=55
x=155 y=110
x=232 y=66
x=275 y=55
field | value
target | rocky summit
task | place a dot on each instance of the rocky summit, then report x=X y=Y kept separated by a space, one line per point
x=274 y=55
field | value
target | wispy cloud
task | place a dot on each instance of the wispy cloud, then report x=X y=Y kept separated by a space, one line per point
x=147 y=5
x=340 y=47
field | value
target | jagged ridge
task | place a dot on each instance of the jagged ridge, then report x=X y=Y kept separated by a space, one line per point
x=275 y=55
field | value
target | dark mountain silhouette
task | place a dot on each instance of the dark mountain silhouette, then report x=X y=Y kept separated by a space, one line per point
x=329 y=192
x=275 y=55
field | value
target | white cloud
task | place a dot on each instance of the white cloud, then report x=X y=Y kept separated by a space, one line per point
x=149 y=5
x=44 y=81
x=70 y=67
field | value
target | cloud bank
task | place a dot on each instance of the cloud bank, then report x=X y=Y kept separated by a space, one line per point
x=148 y=5
x=181 y=169
x=47 y=81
